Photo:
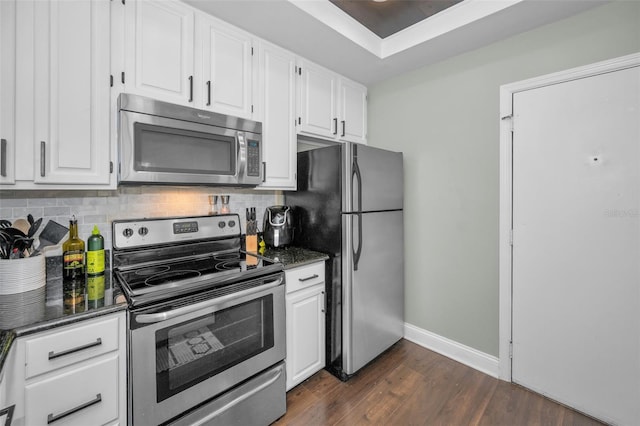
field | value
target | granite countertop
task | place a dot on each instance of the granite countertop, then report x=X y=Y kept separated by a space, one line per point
x=53 y=306
x=292 y=257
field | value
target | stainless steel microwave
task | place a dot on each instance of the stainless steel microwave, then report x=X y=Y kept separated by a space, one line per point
x=163 y=143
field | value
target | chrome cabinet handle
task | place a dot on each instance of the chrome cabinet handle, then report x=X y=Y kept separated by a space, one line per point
x=190 y=88
x=323 y=302
x=53 y=355
x=43 y=151
x=163 y=316
x=53 y=418
x=3 y=158
x=264 y=171
x=208 y=92
x=335 y=126
x=308 y=278
x=343 y=123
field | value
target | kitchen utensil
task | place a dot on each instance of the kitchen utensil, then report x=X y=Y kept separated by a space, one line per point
x=51 y=235
x=30 y=219
x=22 y=225
x=34 y=227
x=5 y=223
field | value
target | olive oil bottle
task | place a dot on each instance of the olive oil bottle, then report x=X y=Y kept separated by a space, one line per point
x=73 y=259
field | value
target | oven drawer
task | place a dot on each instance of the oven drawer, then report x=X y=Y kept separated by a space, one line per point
x=70 y=345
x=260 y=400
x=82 y=396
x=304 y=276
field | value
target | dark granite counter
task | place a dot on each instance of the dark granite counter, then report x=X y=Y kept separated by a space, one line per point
x=292 y=257
x=54 y=305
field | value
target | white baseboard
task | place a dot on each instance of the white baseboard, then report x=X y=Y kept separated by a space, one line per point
x=480 y=361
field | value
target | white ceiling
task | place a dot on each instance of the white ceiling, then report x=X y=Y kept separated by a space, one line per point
x=323 y=33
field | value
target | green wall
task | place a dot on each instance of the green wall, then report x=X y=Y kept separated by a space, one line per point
x=445 y=118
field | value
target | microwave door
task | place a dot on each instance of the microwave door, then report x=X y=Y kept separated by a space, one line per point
x=163 y=150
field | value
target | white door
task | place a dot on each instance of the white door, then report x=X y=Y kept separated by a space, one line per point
x=7 y=90
x=317 y=108
x=276 y=87
x=159 y=49
x=226 y=82
x=72 y=103
x=576 y=244
x=353 y=112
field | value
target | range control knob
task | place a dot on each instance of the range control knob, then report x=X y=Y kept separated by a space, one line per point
x=231 y=223
x=127 y=232
x=143 y=231
x=221 y=225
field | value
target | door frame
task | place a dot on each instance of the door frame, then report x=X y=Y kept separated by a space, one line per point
x=506 y=187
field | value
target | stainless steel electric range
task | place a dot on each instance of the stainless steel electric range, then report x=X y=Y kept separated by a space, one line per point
x=206 y=323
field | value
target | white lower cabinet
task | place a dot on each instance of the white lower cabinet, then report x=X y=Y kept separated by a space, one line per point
x=305 y=302
x=70 y=375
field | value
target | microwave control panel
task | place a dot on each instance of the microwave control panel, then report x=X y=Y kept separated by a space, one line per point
x=253 y=157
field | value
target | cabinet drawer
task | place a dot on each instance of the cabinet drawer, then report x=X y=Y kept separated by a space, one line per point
x=69 y=345
x=82 y=396
x=305 y=276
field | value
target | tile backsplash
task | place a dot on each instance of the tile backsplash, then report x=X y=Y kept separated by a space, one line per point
x=102 y=207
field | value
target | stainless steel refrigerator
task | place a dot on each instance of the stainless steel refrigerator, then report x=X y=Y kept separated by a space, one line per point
x=349 y=205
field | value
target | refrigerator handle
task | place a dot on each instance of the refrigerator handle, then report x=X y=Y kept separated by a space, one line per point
x=356 y=173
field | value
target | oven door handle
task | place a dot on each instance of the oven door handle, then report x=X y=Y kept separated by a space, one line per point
x=163 y=316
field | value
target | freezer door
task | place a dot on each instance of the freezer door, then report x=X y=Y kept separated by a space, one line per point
x=373 y=293
x=373 y=179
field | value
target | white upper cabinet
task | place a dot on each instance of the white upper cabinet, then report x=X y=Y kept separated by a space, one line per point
x=159 y=50
x=353 y=112
x=276 y=109
x=71 y=86
x=7 y=90
x=225 y=82
x=330 y=106
x=317 y=100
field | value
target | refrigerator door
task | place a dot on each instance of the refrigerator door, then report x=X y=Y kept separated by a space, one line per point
x=373 y=179
x=373 y=294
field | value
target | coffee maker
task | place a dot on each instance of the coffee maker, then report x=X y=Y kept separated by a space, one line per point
x=277 y=229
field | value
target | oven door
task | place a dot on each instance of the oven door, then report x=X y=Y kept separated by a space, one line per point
x=185 y=357
x=156 y=149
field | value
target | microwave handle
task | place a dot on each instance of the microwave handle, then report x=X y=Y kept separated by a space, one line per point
x=242 y=153
x=163 y=316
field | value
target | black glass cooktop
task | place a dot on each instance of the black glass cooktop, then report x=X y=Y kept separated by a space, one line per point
x=195 y=271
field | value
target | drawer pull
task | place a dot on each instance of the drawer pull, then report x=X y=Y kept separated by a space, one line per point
x=51 y=418
x=53 y=355
x=308 y=278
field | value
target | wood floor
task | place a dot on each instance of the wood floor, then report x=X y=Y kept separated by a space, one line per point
x=410 y=385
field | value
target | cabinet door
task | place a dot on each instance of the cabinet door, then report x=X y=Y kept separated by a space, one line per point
x=276 y=84
x=317 y=109
x=72 y=92
x=305 y=334
x=353 y=112
x=87 y=395
x=7 y=91
x=159 y=50
x=227 y=69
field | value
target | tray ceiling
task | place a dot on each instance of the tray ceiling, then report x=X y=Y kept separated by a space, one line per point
x=387 y=17
x=324 y=33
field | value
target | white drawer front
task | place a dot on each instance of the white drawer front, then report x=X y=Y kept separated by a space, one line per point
x=69 y=345
x=83 y=396
x=305 y=276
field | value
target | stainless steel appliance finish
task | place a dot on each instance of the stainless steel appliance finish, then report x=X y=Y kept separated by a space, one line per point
x=163 y=143
x=349 y=204
x=205 y=320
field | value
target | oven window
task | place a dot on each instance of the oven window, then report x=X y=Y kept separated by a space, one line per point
x=192 y=351
x=163 y=149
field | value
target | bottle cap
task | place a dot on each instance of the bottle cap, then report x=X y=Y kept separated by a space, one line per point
x=95 y=231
